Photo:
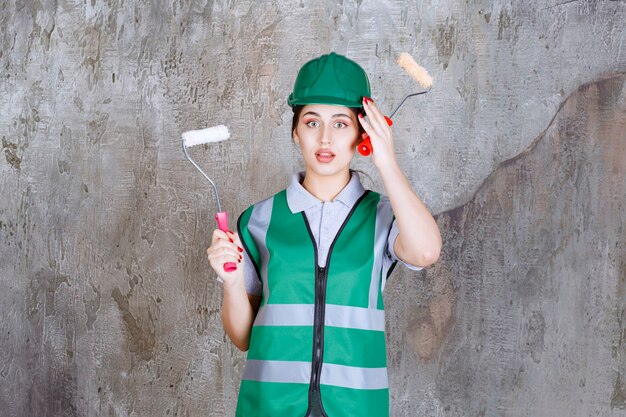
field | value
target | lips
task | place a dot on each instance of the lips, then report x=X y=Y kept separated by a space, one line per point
x=324 y=155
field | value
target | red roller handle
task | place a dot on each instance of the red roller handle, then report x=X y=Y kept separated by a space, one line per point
x=222 y=223
x=365 y=147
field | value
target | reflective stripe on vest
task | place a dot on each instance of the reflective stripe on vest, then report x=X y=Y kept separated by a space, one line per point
x=336 y=315
x=300 y=372
x=348 y=369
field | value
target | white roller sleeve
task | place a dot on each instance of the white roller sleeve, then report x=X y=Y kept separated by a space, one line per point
x=210 y=134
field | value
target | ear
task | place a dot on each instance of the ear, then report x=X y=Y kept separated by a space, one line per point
x=296 y=139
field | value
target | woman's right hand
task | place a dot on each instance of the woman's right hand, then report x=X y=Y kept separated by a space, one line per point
x=226 y=247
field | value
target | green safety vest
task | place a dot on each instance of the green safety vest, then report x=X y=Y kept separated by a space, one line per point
x=318 y=339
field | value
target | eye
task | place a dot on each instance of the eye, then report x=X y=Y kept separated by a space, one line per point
x=340 y=125
x=313 y=123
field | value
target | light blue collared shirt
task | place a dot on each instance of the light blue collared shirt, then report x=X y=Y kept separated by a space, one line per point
x=325 y=218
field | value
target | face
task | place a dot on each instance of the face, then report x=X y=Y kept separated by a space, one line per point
x=327 y=136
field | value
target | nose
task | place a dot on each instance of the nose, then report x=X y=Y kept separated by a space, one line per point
x=326 y=135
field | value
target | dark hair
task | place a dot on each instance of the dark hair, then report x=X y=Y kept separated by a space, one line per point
x=297 y=110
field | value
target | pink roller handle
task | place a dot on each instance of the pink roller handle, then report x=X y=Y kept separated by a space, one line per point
x=222 y=223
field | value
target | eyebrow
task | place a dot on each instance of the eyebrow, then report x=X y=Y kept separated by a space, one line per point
x=332 y=117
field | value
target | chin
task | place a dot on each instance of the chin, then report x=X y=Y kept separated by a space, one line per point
x=330 y=171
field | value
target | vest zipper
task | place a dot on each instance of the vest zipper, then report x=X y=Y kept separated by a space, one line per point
x=321 y=277
x=320 y=284
x=315 y=400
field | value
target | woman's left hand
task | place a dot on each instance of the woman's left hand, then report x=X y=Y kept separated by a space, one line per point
x=381 y=136
x=419 y=240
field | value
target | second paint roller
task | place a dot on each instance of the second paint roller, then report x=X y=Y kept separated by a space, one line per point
x=416 y=72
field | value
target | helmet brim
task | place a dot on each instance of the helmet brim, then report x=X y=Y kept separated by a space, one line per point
x=333 y=101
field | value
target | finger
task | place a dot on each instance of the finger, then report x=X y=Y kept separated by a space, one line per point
x=235 y=237
x=367 y=126
x=372 y=127
x=224 y=255
x=237 y=242
x=216 y=261
x=375 y=113
x=375 y=117
x=222 y=244
x=377 y=138
x=219 y=234
x=372 y=110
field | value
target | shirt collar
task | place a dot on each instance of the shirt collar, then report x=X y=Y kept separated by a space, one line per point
x=299 y=199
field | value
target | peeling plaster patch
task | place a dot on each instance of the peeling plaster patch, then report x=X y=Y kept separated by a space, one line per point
x=42 y=293
x=440 y=311
x=149 y=231
x=97 y=127
x=92 y=306
x=487 y=17
x=204 y=316
x=423 y=338
x=507 y=30
x=445 y=40
x=142 y=340
x=79 y=104
x=64 y=167
x=10 y=153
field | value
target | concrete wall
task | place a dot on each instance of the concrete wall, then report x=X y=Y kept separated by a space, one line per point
x=107 y=304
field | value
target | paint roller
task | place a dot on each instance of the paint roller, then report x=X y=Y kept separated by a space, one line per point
x=199 y=137
x=419 y=74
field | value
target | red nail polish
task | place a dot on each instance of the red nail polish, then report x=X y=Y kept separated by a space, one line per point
x=367 y=99
x=360 y=116
x=230 y=240
x=389 y=121
x=239 y=249
x=231 y=232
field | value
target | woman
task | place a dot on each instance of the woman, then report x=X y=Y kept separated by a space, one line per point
x=306 y=300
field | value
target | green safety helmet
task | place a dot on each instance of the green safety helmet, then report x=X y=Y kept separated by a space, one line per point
x=330 y=79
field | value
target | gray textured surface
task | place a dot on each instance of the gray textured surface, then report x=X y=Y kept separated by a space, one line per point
x=107 y=304
x=525 y=314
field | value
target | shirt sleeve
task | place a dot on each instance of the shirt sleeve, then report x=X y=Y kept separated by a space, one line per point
x=251 y=280
x=390 y=254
